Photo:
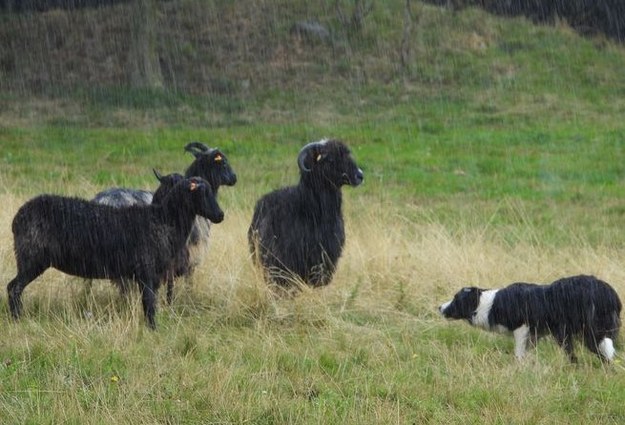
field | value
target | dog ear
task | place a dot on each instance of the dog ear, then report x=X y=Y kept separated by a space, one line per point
x=474 y=289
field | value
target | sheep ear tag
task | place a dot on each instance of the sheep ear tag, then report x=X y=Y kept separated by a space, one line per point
x=219 y=158
x=193 y=186
x=319 y=156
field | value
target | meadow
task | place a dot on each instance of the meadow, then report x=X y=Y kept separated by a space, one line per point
x=488 y=165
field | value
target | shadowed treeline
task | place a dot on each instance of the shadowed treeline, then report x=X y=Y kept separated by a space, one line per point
x=588 y=17
x=43 y=5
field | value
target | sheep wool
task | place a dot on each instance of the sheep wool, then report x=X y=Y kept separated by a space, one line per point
x=298 y=231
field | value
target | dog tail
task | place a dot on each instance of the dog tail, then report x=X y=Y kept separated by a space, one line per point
x=604 y=322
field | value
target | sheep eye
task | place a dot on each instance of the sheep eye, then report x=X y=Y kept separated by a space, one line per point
x=193 y=186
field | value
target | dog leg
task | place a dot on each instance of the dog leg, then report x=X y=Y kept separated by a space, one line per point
x=533 y=339
x=566 y=341
x=521 y=335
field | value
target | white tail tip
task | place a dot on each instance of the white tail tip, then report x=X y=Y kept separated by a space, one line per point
x=606 y=348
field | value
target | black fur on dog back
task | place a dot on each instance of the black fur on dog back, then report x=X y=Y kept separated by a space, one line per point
x=573 y=307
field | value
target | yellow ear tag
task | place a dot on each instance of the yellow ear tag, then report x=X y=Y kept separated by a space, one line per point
x=318 y=157
x=218 y=158
x=192 y=186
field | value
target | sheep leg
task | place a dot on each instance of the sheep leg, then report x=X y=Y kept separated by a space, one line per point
x=16 y=287
x=122 y=286
x=148 y=298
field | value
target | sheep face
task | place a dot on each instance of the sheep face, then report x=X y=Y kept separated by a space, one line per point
x=203 y=199
x=210 y=164
x=329 y=161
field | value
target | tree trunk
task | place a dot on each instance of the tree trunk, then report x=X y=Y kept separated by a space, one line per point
x=411 y=19
x=143 y=60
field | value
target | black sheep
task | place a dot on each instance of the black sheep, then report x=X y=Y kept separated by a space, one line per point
x=210 y=164
x=96 y=241
x=181 y=261
x=299 y=230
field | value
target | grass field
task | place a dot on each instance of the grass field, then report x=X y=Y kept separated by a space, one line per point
x=498 y=157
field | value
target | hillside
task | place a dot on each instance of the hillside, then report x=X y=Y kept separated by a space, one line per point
x=241 y=62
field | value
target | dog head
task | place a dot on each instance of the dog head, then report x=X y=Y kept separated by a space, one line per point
x=464 y=304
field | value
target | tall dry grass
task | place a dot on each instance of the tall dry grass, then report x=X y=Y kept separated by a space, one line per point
x=369 y=348
x=391 y=258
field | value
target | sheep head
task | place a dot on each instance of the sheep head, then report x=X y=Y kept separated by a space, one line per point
x=210 y=164
x=330 y=161
x=203 y=199
x=167 y=183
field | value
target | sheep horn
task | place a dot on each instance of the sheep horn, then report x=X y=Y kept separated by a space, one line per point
x=198 y=148
x=158 y=175
x=301 y=158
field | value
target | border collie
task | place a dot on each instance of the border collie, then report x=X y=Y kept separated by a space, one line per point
x=577 y=306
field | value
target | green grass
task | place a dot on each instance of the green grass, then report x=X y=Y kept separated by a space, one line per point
x=564 y=178
x=495 y=156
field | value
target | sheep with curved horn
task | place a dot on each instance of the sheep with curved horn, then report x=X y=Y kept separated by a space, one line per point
x=298 y=231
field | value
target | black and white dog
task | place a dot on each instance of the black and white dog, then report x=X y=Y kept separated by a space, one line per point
x=577 y=306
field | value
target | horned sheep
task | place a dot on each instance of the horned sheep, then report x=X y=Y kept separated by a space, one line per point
x=210 y=164
x=97 y=241
x=298 y=231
